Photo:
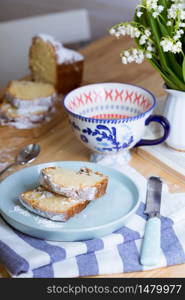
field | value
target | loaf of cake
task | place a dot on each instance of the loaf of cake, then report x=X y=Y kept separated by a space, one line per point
x=84 y=184
x=52 y=63
x=51 y=206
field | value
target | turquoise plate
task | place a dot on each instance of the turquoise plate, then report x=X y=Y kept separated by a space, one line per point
x=101 y=217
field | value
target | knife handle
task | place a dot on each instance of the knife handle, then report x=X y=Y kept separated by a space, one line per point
x=150 y=251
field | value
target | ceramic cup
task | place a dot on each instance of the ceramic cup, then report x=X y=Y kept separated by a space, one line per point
x=112 y=117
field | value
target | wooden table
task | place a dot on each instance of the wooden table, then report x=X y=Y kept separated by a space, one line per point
x=102 y=64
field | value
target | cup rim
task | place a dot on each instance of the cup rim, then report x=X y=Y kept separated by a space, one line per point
x=92 y=120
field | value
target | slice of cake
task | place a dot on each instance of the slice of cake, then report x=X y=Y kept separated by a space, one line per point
x=35 y=96
x=51 y=206
x=50 y=62
x=82 y=185
x=22 y=118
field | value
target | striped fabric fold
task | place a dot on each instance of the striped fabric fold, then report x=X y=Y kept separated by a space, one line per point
x=26 y=256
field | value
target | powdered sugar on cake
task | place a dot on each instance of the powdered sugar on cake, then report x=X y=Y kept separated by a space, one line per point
x=86 y=184
x=47 y=223
x=19 y=125
x=24 y=124
x=20 y=210
x=64 y=55
x=23 y=118
x=34 y=105
x=85 y=193
x=39 y=220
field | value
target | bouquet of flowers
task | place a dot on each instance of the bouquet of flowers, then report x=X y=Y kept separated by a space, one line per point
x=158 y=28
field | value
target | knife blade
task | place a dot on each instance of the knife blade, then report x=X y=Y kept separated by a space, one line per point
x=153 y=196
x=150 y=251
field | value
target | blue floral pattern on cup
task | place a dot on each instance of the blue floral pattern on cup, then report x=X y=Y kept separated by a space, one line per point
x=106 y=137
x=111 y=117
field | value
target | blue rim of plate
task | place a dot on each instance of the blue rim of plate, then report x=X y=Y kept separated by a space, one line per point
x=71 y=229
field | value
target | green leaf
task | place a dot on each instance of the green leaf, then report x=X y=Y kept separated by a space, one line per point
x=166 y=63
x=168 y=80
x=174 y=65
x=141 y=20
x=164 y=29
x=157 y=36
x=183 y=68
x=164 y=3
x=170 y=57
x=163 y=58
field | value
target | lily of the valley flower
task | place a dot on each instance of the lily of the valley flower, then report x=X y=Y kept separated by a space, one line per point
x=135 y=55
x=176 y=11
x=157 y=11
x=170 y=45
x=125 y=29
x=158 y=28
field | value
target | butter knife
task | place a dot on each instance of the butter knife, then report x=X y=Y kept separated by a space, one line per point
x=150 y=250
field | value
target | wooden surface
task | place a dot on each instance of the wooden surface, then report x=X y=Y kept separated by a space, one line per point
x=102 y=64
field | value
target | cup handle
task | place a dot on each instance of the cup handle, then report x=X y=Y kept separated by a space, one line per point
x=164 y=123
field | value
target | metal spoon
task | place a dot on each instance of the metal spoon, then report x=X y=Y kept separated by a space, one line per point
x=26 y=155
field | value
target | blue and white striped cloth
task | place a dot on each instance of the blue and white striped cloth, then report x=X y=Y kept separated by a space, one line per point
x=25 y=256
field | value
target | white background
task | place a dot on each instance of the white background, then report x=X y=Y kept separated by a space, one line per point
x=103 y=13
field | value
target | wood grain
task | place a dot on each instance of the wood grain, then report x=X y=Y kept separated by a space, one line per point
x=102 y=64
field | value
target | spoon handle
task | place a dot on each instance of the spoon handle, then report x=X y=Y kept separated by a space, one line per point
x=7 y=167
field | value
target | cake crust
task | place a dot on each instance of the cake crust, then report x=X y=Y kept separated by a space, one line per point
x=71 y=207
x=68 y=75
